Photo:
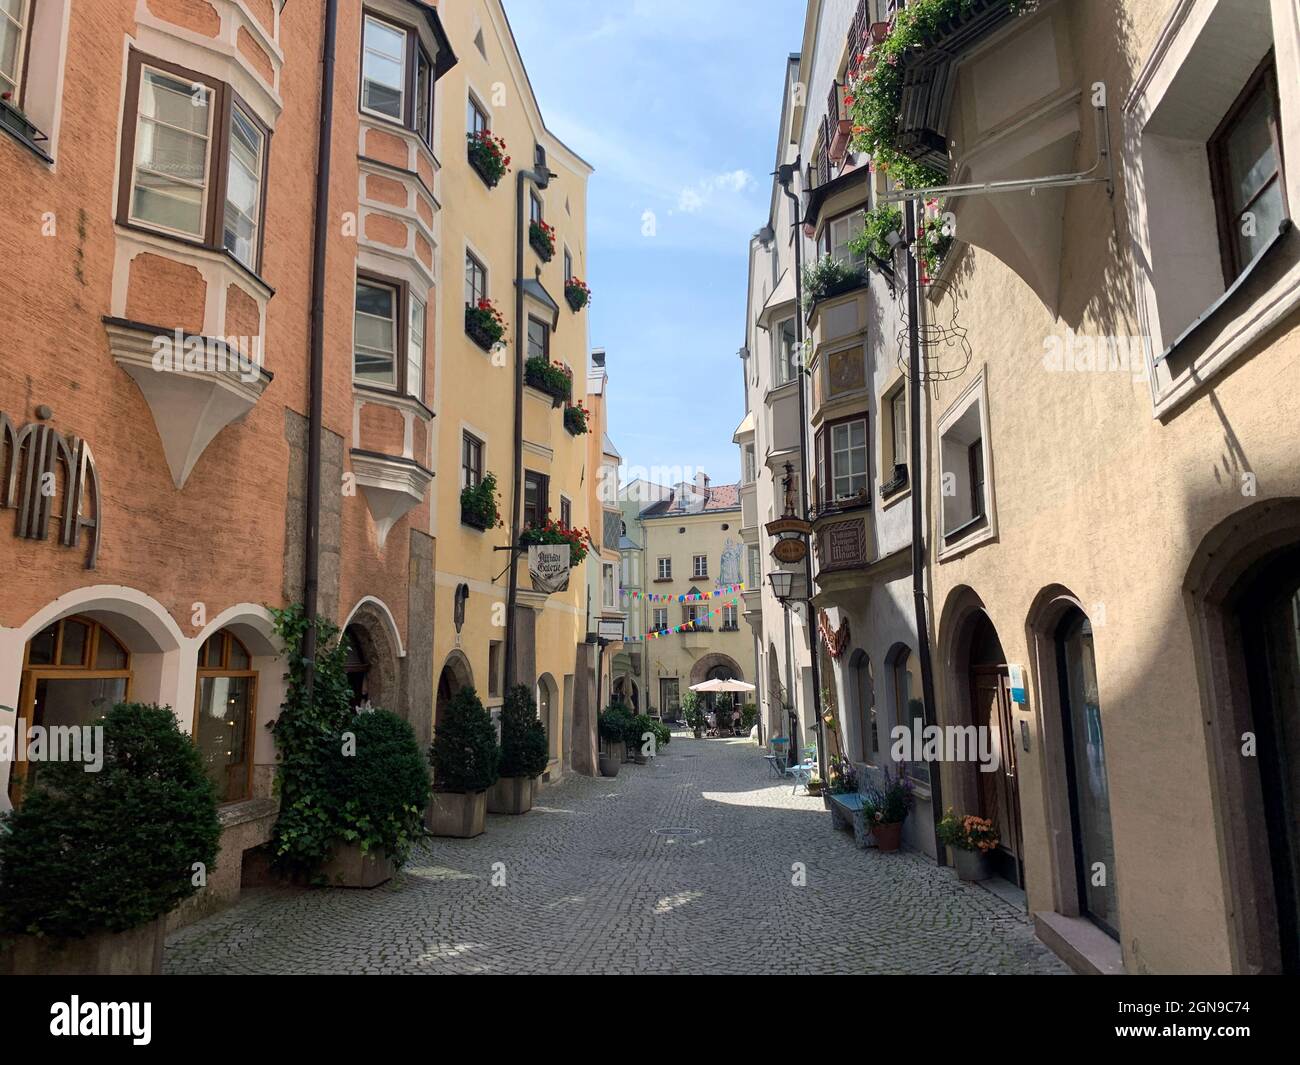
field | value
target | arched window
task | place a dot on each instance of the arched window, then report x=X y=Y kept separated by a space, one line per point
x=357 y=667
x=868 y=726
x=908 y=708
x=223 y=715
x=74 y=672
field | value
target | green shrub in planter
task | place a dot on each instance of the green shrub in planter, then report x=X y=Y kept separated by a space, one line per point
x=479 y=507
x=827 y=277
x=381 y=790
x=748 y=715
x=614 y=722
x=635 y=731
x=464 y=754
x=113 y=850
x=524 y=752
x=663 y=734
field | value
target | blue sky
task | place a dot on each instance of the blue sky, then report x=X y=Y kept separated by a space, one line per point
x=675 y=103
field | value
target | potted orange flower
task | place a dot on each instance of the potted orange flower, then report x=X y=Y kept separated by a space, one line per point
x=972 y=839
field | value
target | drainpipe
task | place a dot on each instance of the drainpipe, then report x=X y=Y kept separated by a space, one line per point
x=918 y=527
x=541 y=177
x=785 y=174
x=316 y=375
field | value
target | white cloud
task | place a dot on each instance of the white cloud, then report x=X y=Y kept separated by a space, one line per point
x=694 y=198
x=689 y=201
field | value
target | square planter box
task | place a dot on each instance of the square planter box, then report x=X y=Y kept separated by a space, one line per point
x=348 y=867
x=457 y=814
x=545 y=253
x=479 y=335
x=137 y=952
x=511 y=795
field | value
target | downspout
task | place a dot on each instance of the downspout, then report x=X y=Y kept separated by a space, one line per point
x=918 y=526
x=316 y=374
x=541 y=178
x=803 y=467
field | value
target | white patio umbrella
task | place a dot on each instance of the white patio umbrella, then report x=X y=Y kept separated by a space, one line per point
x=718 y=685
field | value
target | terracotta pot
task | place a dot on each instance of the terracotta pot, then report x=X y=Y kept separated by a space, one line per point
x=971 y=865
x=510 y=795
x=458 y=815
x=888 y=837
x=348 y=867
x=609 y=765
x=137 y=952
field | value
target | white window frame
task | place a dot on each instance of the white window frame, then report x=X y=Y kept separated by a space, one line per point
x=660 y=618
x=415 y=341
x=954 y=458
x=847 y=452
x=781 y=372
x=258 y=176
x=608 y=586
x=397 y=332
x=405 y=34
x=664 y=568
x=699 y=566
x=206 y=186
x=24 y=24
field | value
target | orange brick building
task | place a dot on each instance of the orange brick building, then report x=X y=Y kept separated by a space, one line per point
x=160 y=161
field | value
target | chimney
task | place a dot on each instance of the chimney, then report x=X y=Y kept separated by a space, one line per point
x=598 y=358
x=702 y=483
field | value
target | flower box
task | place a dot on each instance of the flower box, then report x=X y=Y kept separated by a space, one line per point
x=575 y=420
x=552 y=532
x=553 y=378
x=484 y=324
x=487 y=156
x=576 y=294
x=542 y=238
x=478 y=504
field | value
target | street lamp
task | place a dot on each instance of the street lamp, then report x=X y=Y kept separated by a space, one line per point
x=783 y=588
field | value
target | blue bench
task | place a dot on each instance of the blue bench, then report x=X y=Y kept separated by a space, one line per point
x=846 y=812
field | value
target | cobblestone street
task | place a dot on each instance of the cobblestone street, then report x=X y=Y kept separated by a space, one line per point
x=684 y=865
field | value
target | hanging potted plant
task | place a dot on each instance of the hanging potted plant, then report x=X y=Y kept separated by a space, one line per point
x=524 y=754
x=552 y=532
x=972 y=840
x=487 y=155
x=479 y=507
x=541 y=235
x=885 y=809
x=576 y=294
x=466 y=760
x=484 y=324
x=91 y=863
x=575 y=419
x=553 y=378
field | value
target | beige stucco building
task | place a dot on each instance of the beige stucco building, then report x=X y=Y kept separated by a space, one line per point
x=694 y=569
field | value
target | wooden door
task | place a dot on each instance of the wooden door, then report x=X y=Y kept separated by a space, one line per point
x=999 y=791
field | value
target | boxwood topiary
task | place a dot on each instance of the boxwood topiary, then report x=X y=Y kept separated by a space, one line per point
x=112 y=850
x=464 y=755
x=382 y=789
x=614 y=722
x=524 y=751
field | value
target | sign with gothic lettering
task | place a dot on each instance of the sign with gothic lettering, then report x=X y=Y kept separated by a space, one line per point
x=47 y=476
x=548 y=567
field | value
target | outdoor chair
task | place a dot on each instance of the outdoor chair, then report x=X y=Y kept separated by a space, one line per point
x=776 y=755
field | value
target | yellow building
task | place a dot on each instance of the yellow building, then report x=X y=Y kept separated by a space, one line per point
x=693 y=549
x=605 y=602
x=495 y=230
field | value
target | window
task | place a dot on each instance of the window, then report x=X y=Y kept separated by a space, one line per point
x=909 y=711
x=375 y=347
x=897 y=406
x=609 y=585
x=730 y=620
x=357 y=667
x=660 y=618
x=74 y=673
x=975 y=461
x=700 y=566
x=665 y=569
x=475 y=281
x=868 y=726
x=669 y=702
x=787 y=353
x=223 y=715
x=755 y=571
x=471 y=460
x=536 y=497
x=397 y=76
x=14 y=26
x=476 y=119
x=751 y=464
x=836 y=237
x=539 y=340
x=566 y=512
x=845 y=460
x=693 y=614
x=415 y=349
x=1246 y=172
x=194 y=160
x=568 y=264
x=494 y=667
x=534 y=207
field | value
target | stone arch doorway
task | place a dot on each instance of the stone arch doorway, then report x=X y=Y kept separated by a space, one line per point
x=1243 y=597
x=979 y=688
x=374 y=652
x=549 y=709
x=456 y=675
x=717 y=666
x=626 y=691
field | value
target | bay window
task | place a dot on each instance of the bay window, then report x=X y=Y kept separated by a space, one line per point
x=397 y=76
x=786 y=353
x=194 y=160
x=842 y=460
x=388 y=337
